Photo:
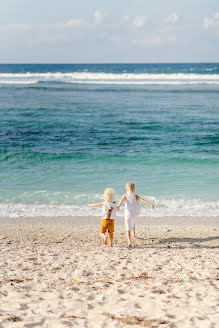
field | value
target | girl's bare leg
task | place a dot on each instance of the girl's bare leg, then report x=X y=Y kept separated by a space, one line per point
x=133 y=233
x=128 y=234
x=111 y=239
x=104 y=238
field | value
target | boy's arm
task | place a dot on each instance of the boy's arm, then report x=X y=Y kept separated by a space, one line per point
x=144 y=201
x=121 y=201
x=96 y=204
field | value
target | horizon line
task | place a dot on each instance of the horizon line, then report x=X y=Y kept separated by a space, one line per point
x=106 y=63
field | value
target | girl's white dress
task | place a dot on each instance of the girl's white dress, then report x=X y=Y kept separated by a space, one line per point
x=132 y=209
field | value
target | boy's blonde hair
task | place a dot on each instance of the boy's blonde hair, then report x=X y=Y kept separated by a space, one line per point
x=130 y=186
x=109 y=194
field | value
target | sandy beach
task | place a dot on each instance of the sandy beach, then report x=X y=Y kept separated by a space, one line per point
x=60 y=275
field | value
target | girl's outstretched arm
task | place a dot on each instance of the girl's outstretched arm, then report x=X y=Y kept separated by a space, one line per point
x=121 y=201
x=96 y=204
x=145 y=201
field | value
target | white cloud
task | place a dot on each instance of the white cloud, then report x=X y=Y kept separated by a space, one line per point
x=99 y=16
x=140 y=21
x=148 y=41
x=126 y=30
x=155 y=40
x=15 y=27
x=211 y=21
x=172 y=19
x=124 y=20
x=77 y=22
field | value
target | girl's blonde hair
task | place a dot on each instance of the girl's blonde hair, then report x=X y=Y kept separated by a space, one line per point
x=109 y=194
x=130 y=186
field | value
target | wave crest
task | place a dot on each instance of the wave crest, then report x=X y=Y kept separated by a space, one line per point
x=109 y=78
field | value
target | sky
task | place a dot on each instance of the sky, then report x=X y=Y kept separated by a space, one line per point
x=101 y=31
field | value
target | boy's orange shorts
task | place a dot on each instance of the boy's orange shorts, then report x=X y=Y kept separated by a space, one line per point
x=107 y=225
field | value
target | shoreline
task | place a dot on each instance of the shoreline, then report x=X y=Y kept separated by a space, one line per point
x=153 y=236
x=96 y=220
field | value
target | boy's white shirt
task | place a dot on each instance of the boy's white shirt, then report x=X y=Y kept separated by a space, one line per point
x=106 y=207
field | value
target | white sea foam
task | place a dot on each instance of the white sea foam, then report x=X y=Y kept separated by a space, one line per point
x=163 y=207
x=109 y=78
x=146 y=82
x=18 y=82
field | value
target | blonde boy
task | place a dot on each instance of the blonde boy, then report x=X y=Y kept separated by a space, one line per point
x=109 y=209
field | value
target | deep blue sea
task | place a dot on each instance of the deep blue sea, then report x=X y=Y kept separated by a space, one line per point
x=69 y=131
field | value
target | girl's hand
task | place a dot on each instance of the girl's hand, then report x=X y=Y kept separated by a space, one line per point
x=117 y=209
x=152 y=206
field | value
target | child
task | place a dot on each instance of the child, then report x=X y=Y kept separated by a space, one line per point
x=109 y=209
x=131 y=209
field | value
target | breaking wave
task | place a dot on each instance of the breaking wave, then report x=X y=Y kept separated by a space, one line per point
x=76 y=206
x=109 y=78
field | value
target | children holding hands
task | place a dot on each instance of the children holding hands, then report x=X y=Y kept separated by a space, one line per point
x=109 y=209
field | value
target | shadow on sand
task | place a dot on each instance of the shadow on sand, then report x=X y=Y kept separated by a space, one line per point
x=182 y=242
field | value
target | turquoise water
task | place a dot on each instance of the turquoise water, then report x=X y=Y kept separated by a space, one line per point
x=69 y=131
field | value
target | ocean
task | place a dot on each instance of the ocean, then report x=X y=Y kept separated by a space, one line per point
x=68 y=131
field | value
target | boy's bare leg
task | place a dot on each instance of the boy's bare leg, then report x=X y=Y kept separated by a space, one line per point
x=133 y=233
x=128 y=234
x=111 y=239
x=104 y=238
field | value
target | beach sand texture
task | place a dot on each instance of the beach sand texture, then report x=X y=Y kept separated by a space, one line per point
x=62 y=276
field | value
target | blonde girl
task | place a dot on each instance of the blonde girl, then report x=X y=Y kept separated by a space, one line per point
x=132 y=209
x=109 y=209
